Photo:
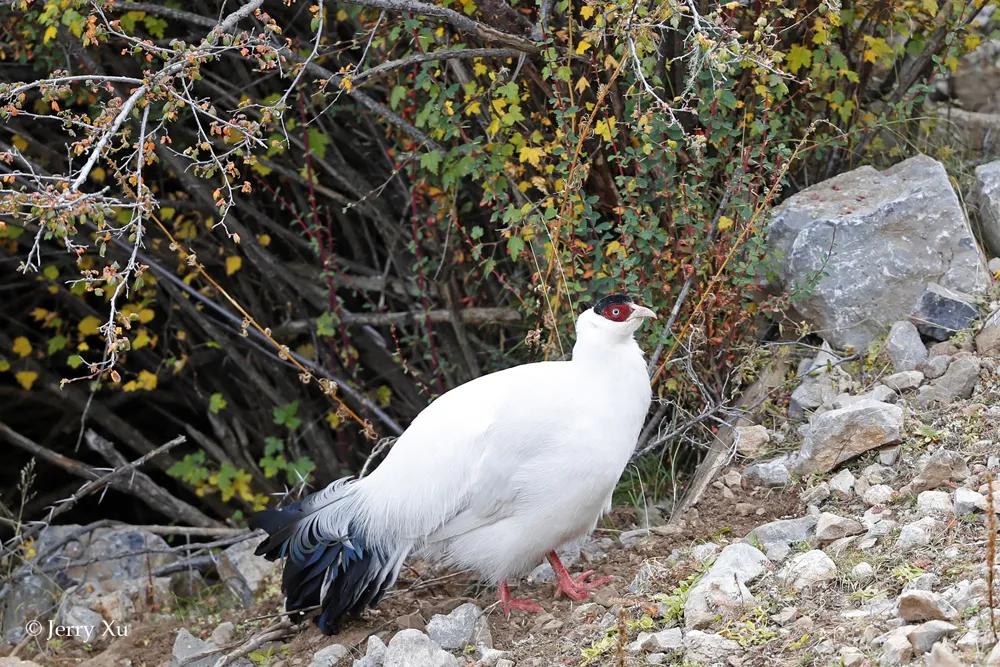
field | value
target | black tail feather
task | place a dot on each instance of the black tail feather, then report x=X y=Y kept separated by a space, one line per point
x=356 y=575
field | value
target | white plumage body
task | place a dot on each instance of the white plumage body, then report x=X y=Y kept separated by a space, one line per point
x=492 y=476
x=498 y=472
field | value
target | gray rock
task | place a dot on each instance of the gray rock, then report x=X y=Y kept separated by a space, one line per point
x=896 y=647
x=904 y=347
x=967 y=501
x=187 y=646
x=957 y=382
x=903 y=380
x=842 y=484
x=863 y=571
x=924 y=636
x=942 y=466
x=645 y=579
x=838 y=435
x=934 y=502
x=887 y=456
x=918 y=606
x=943 y=312
x=330 y=656
x=776 y=537
x=751 y=440
x=880 y=494
x=873 y=239
x=830 y=527
x=808 y=569
x=222 y=634
x=708 y=649
x=985 y=199
x=374 y=653
x=119 y=559
x=664 y=640
x=723 y=588
x=850 y=657
x=242 y=572
x=941 y=655
x=704 y=552
x=814 y=495
x=465 y=625
x=917 y=534
x=935 y=366
x=412 y=648
x=771 y=473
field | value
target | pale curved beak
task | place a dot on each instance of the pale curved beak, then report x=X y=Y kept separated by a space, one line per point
x=641 y=312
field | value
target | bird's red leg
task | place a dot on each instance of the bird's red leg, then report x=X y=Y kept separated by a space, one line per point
x=576 y=589
x=507 y=603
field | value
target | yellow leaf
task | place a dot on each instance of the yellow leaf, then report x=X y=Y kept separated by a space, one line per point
x=479 y=69
x=22 y=346
x=233 y=264
x=264 y=239
x=98 y=174
x=333 y=419
x=530 y=154
x=146 y=381
x=604 y=128
x=582 y=47
x=142 y=339
x=798 y=58
x=4 y=365
x=20 y=143
x=614 y=247
x=582 y=84
x=50 y=34
x=473 y=108
x=586 y=11
x=146 y=315
x=725 y=222
x=88 y=326
x=26 y=379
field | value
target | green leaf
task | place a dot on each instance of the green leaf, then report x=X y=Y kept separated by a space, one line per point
x=299 y=470
x=318 y=141
x=216 y=403
x=396 y=96
x=515 y=244
x=56 y=343
x=799 y=57
x=431 y=161
x=324 y=325
x=286 y=415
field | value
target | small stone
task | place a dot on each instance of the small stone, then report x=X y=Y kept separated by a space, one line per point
x=831 y=527
x=916 y=534
x=807 y=569
x=771 y=473
x=222 y=634
x=708 y=649
x=330 y=656
x=412 y=647
x=723 y=588
x=733 y=479
x=934 y=502
x=925 y=635
x=897 y=650
x=631 y=537
x=187 y=646
x=664 y=640
x=903 y=380
x=925 y=582
x=838 y=435
x=919 y=606
x=904 y=347
x=935 y=366
x=942 y=312
x=842 y=484
x=588 y=612
x=750 y=441
x=880 y=494
x=957 y=382
x=863 y=571
x=967 y=501
x=776 y=537
x=374 y=652
x=851 y=657
x=411 y=621
x=941 y=656
x=888 y=456
x=941 y=466
x=704 y=552
x=785 y=616
x=816 y=494
x=459 y=628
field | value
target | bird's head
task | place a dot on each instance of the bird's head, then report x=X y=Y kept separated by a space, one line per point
x=613 y=318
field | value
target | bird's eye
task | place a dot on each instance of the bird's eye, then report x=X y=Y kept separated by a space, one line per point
x=617 y=312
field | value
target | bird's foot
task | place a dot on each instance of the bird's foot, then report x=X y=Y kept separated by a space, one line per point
x=578 y=588
x=575 y=588
x=508 y=604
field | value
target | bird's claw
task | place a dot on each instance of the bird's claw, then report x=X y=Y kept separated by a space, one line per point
x=578 y=588
x=520 y=604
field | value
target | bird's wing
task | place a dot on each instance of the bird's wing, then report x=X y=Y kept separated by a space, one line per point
x=451 y=470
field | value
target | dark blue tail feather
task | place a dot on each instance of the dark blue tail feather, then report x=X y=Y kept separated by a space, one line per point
x=356 y=574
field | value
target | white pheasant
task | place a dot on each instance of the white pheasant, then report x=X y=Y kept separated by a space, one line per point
x=493 y=476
